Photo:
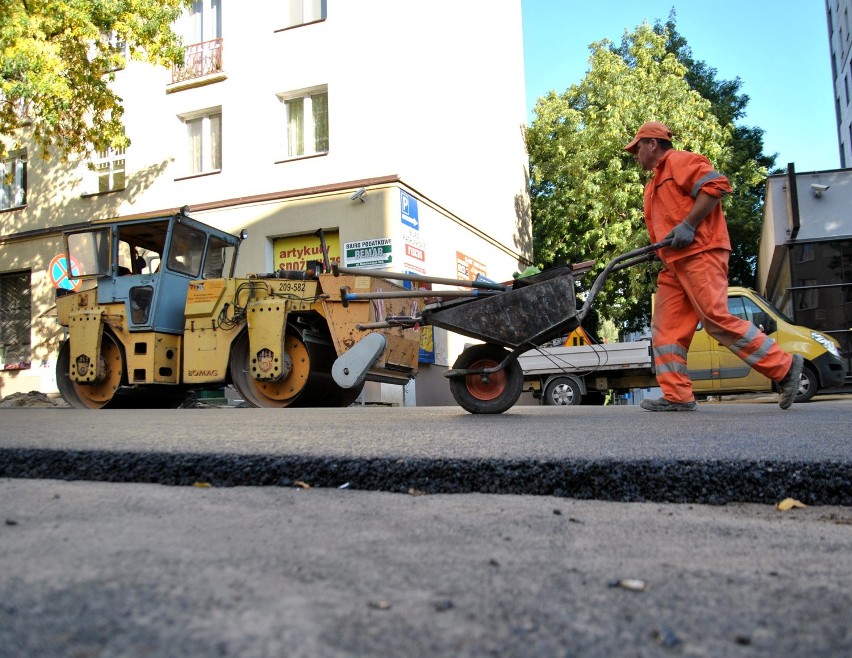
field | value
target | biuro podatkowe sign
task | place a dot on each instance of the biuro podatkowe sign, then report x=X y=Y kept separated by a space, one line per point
x=368 y=253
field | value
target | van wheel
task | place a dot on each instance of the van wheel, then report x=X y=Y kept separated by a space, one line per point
x=808 y=385
x=562 y=391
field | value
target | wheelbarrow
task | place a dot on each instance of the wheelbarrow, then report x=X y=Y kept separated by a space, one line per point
x=511 y=319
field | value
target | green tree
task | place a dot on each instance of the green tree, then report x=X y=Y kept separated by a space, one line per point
x=57 y=60
x=586 y=191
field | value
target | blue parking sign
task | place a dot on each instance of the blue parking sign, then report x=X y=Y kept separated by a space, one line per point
x=408 y=210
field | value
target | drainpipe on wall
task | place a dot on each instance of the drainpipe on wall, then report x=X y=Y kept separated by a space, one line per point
x=792 y=203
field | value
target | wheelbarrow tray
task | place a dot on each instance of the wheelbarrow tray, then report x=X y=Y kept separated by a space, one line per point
x=535 y=312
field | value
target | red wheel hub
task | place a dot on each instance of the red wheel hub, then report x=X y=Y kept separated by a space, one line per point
x=485 y=387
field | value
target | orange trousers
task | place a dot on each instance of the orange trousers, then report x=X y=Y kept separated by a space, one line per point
x=694 y=289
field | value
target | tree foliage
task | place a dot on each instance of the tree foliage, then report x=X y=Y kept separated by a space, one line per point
x=586 y=191
x=57 y=60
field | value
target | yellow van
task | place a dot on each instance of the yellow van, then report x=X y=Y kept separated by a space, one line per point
x=714 y=370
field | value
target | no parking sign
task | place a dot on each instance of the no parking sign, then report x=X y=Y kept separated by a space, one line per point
x=62 y=276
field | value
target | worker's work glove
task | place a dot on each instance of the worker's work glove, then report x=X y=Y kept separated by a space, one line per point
x=682 y=235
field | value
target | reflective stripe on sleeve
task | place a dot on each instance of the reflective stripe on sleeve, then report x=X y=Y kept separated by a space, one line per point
x=706 y=178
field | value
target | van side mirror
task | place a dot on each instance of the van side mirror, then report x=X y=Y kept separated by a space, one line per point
x=766 y=323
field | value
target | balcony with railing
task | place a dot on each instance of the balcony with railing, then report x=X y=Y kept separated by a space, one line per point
x=202 y=64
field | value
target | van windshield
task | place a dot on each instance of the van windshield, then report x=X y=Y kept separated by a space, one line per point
x=774 y=310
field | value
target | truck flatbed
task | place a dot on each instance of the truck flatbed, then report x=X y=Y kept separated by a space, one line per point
x=586 y=358
x=570 y=375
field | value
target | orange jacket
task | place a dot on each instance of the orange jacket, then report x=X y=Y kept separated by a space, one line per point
x=670 y=194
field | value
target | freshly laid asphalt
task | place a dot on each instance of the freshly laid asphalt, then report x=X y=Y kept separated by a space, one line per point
x=751 y=452
x=380 y=532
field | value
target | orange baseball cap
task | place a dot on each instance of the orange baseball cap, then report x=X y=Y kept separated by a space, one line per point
x=650 y=130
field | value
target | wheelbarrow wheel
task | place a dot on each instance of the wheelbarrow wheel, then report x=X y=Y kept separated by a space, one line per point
x=487 y=394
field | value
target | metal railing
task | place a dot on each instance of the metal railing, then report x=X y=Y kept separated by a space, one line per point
x=199 y=59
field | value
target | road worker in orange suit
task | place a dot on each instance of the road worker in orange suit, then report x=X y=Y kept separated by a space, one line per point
x=682 y=202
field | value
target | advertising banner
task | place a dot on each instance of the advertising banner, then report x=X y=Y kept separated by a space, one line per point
x=293 y=253
x=368 y=253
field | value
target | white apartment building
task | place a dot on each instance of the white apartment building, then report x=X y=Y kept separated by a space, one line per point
x=370 y=119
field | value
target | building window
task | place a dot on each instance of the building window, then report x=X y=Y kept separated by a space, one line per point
x=204 y=142
x=119 y=50
x=306 y=123
x=107 y=171
x=13 y=180
x=806 y=253
x=300 y=12
x=201 y=28
x=205 y=20
x=15 y=321
x=808 y=295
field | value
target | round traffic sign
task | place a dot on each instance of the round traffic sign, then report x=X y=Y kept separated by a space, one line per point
x=62 y=276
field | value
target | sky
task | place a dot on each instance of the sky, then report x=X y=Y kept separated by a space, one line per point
x=778 y=48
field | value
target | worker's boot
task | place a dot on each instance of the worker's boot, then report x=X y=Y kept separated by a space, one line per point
x=789 y=386
x=661 y=404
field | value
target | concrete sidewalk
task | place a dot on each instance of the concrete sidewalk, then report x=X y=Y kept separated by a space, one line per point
x=107 y=570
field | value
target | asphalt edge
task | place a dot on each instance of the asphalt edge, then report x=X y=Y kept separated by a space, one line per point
x=667 y=481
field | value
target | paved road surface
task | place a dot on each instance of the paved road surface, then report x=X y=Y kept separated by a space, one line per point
x=722 y=453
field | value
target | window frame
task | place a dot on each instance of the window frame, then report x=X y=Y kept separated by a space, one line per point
x=210 y=149
x=290 y=8
x=204 y=21
x=24 y=310
x=308 y=130
x=13 y=192
x=109 y=158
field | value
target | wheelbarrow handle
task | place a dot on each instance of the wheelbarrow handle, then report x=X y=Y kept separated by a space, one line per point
x=629 y=259
x=337 y=270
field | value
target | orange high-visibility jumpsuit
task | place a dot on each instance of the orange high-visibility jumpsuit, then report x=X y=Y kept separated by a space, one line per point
x=693 y=285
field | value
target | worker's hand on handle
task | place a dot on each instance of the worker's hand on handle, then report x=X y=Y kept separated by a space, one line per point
x=681 y=235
